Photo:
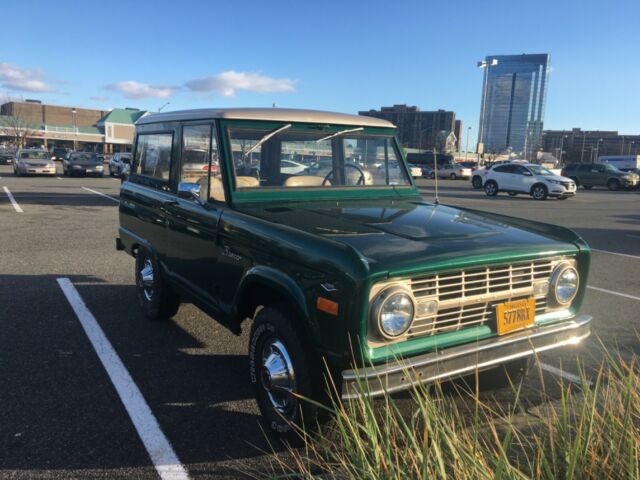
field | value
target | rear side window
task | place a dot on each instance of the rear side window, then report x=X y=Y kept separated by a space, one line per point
x=503 y=169
x=585 y=168
x=153 y=155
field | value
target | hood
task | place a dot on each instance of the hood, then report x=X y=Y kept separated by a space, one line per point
x=409 y=235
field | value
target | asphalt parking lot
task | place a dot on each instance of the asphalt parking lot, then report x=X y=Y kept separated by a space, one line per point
x=60 y=413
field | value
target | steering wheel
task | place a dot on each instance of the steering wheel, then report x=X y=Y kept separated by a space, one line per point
x=360 y=181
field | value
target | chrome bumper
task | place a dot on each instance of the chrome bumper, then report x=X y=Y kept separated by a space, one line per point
x=464 y=359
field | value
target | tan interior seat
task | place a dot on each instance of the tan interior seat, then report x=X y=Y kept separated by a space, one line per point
x=305 y=181
x=247 y=182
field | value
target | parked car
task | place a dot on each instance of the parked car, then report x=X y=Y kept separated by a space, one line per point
x=349 y=275
x=478 y=175
x=117 y=164
x=453 y=171
x=6 y=156
x=31 y=161
x=530 y=179
x=83 y=163
x=590 y=175
x=415 y=170
x=59 y=153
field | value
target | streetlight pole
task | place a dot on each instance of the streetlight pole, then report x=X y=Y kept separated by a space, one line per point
x=466 y=148
x=630 y=143
x=561 y=147
x=597 y=149
x=484 y=64
x=75 y=130
x=584 y=137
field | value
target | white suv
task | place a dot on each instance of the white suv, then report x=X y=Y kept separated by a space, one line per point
x=528 y=178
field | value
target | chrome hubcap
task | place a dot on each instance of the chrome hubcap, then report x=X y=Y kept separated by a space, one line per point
x=538 y=192
x=277 y=376
x=146 y=278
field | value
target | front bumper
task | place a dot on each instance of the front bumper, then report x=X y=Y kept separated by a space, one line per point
x=464 y=359
x=36 y=170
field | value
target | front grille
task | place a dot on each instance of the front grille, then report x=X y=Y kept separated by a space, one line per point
x=468 y=297
x=567 y=184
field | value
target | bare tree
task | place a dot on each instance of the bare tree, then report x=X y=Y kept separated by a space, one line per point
x=15 y=124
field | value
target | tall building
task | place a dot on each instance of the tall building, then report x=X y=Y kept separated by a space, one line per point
x=458 y=133
x=514 y=93
x=416 y=129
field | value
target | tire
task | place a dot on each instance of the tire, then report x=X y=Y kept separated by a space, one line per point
x=588 y=187
x=453 y=176
x=156 y=298
x=491 y=188
x=513 y=194
x=275 y=340
x=539 y=192
x=613 y=185
x=476 y=182
x=432 y=176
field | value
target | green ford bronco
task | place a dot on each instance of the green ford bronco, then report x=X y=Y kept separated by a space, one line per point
x=309 y=224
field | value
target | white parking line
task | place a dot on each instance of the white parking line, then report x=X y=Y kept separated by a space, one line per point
x=102 y=194
x=616 y=253
x=13 y=200
x=561 y=373
x=158 y=447
x=625 y=295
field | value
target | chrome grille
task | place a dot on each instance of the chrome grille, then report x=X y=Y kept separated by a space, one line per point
x=467 y=298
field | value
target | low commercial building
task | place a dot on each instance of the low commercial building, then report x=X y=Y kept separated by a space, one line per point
x=587 y=145
x=34 y=124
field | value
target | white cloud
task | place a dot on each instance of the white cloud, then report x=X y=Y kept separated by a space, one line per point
x=13 y=77
x=227 y=83
x=133 y=89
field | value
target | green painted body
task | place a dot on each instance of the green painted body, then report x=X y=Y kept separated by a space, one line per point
x=294 y=245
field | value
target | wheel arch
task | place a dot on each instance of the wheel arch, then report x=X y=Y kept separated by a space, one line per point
x=263 y=286
x=535 y=185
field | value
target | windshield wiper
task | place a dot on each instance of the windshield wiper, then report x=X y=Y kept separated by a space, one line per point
x=266 y=137
x=339 y=133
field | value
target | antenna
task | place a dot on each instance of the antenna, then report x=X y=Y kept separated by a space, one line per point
x=435 y=175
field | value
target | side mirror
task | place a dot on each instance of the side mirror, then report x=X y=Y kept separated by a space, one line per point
x=527 y=174
x=189 y=190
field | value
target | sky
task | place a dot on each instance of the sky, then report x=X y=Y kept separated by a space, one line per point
x=340 y=56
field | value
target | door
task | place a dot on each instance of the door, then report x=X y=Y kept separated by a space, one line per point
x=522 y=179
x=504 y=177
x=193 y=220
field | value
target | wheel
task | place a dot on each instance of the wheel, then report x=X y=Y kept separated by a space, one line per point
x=588 y=187
x=156 y=298
x=512 y=194
x=576 y=181
x=476 y=182
x=453 y=176
x=432 y=175
x=539 y=192
x=280 y=368
x=613 y=185
x=491 y=188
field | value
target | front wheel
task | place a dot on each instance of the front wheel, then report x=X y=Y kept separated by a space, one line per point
x=491 y=188
x=613 y=185
x=281 y=370
x=156 y=298
x=539 y=192
x=476 y=182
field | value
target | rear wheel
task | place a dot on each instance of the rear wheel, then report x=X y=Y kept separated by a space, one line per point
x=155 y=296
x=539 y=192
x=476 y=181
x=453 y=176
x=491 y=188
x=613 y=185
x=282 y=369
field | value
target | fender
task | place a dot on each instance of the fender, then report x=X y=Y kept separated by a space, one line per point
x=274 y=279
x=128 y=239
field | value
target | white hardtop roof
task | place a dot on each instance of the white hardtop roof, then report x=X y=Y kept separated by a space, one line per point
x=267 y=114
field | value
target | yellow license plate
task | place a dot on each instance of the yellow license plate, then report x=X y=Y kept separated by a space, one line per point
x=515 y=315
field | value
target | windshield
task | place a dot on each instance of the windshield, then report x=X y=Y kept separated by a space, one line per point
x=314 y=158
x=82 y=157
x=612 y=169
x=538 y=170
x=35 y=155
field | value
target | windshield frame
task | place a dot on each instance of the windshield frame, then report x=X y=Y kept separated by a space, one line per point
x=311 y=193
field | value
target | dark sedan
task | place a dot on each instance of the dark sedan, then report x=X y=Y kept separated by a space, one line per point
x=83 y=163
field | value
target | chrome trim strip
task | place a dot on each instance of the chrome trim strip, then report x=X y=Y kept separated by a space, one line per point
x=463 y=359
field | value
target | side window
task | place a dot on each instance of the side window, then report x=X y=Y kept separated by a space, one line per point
x=199 y=161
x=519 y=169
x=153 y=155
x=584 y=168
x=503 y=169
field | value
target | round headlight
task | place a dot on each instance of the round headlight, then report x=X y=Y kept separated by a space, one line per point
x=393 y=312
x=565 y=281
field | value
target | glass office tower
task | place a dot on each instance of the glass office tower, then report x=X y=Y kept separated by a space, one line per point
x=514 y=92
